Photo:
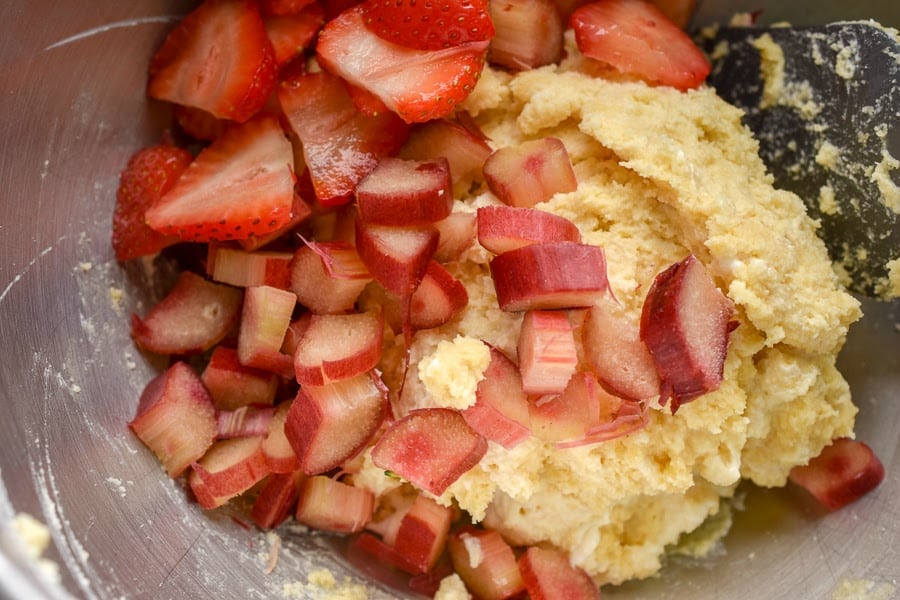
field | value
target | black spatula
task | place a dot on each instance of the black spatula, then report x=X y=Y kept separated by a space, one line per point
x=829 y=131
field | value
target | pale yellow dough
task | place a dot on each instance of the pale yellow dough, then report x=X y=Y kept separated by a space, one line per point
x=661 y=174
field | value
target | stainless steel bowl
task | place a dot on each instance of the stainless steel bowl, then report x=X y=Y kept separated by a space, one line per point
x=72 y=109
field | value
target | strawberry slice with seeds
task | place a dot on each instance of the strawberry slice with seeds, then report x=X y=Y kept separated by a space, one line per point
x=418 y=85
x=429 y=25
x=637 y=38
x=150 y=173
x=218 y=59
x=241 y=185
x=341 y=145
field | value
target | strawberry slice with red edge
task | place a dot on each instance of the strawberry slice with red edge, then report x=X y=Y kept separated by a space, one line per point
x=341 y=145
x=150 y=173
x=219 y=59
x=429 y=25
x=418 y=85
x=637 y=38
x=240 y=186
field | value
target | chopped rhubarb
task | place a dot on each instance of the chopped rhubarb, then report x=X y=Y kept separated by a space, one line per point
x=280 y=455
x=548 y=575
x=456 y=234
x=248 y=269
x=529 y=33
x=845 y=471
x=616 y=417
x=405 y=192
x=430 y=448
x=264 y=320
x=550 y=275
x=328 y=277
x=685 y=323
x=500 y=412
x=328 y=425
x=547 y=352
x=439 y=297
x=530 y=172
x=276 y=499
x=232 y=385
x=615 y=352
x=422 y=533
x=176 y=418
x=194 y=316
x=503 y=228
x=337 y=347
x=465 y=151
x=331 y=505
x=246 y=421
x=396 y=256
x=486 y=564
x=229 y=467
x=568 y=415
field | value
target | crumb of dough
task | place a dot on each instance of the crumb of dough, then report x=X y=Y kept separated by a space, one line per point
x=890 y=192
x=35 y=537
x=863 y=589
x=452 y=372
x=321 y=584
x=452 y=588
x=828 y=203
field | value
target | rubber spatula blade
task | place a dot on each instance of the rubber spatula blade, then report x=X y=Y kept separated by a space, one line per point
x=824 y=102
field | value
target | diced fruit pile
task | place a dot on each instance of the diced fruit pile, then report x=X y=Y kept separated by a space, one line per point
x=331 y=149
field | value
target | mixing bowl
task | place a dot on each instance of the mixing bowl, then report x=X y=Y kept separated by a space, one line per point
x=72 y=109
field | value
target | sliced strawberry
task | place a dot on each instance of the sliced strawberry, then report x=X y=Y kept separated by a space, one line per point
x=219 y=59
x=282 y=8
x=429 y=25
x=240 y=186
x=549 y=575
x=176 y=418
x=198 y=123
x=293 y=33
x=637 y=38
x=418 y=85
x=845 y=471
x=341 y=145
x=150 y=173
x=194 y=316
x=430 y=448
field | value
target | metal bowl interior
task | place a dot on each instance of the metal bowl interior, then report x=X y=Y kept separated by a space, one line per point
x=72 y=109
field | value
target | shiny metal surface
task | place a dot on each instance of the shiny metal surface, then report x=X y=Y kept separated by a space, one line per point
x=72 y=110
